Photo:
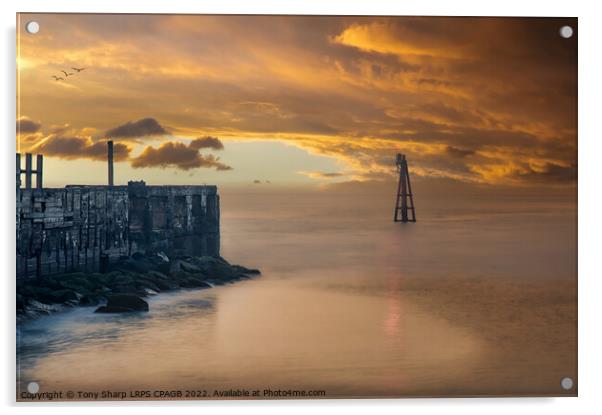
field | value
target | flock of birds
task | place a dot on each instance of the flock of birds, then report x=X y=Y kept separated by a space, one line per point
x=67 y=74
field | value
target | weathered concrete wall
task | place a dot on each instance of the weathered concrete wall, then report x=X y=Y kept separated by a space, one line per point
x=174 y=219
x=84 y=227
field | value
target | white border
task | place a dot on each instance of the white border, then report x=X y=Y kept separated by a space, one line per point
x=590 y=196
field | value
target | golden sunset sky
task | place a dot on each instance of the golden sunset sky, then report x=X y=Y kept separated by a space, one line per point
x=298 y=99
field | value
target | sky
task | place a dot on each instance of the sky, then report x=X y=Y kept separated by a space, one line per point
x=285 y=100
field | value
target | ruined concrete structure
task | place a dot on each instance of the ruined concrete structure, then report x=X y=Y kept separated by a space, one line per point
x=87 y=227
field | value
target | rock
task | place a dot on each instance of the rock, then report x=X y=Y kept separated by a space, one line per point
x=208 y=261
x=163 y=257
x=221 y=259
x=174 y=267
x=244 y=270
x=163 y=267
x=188 y=267
x=89 y=299
x=166 y=285
x=124 y=289
x=158 y=274
x=138 y=256
x=35 y=307
x=146 y=283
x=78 y=279
x=42 y=295
x=194 y=283
x=140 y=275
x=124 y=280
x=64 y=296
x=123 y=303
x=77 y=288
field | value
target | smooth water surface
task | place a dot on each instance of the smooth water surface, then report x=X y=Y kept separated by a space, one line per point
x=477 y=297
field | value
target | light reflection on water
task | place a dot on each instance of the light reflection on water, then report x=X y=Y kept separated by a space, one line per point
x=348 y=302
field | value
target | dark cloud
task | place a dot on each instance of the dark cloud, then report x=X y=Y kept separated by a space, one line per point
x=73 y=147
x=176 y=155
x=27 y=126
x=136 y=129
x=207 y=142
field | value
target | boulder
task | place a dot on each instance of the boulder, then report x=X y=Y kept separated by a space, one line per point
x=42 y=295
x=188 y=267
x=194 y=283
x=138 y=256
x=146 y=282
x=89 y=299
x=163 y=257
x=244 y=270
x=64 y=296
x=34 y=308
x=166 y=285
x=158 y=274
x=125 y=289
x=121 y=303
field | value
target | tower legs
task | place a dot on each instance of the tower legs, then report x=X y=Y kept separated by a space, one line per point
x=404 y=204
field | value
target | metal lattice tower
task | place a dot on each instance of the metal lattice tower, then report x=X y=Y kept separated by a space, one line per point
x=405 y=200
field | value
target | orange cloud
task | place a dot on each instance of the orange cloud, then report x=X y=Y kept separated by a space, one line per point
x=462 y=101
x=391 y=38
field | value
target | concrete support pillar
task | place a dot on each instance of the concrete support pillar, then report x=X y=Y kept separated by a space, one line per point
x=28 y=170
x=18 y=165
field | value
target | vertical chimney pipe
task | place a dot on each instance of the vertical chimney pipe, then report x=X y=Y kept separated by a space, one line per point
x=110 y=160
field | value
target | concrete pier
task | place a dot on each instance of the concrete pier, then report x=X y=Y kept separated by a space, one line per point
x=78 y=227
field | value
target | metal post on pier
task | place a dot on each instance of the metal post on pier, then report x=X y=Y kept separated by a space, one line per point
x=28 y=170
x=110 y=161
x=39 y=171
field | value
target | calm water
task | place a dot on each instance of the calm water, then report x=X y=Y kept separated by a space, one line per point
x=478 y=297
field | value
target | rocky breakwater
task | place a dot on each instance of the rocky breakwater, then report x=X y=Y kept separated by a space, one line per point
x=124 y=287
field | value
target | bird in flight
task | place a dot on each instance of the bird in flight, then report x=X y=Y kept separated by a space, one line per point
x=58 y=78
x=67 y=74
x=78 y=69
